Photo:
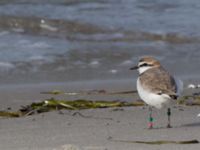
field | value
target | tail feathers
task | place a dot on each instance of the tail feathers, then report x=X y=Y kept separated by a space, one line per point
x=179 y=84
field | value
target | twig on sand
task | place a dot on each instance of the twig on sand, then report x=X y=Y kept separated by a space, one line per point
x=159 y=142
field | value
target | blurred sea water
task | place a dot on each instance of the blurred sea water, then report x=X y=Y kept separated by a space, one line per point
x=75 y=40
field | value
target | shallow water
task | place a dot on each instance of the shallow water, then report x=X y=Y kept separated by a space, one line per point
x=68 y=40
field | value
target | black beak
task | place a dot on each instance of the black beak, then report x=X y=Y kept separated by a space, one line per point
x=134 y=68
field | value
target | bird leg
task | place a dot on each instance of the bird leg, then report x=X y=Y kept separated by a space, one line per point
x=150 y=125
x=169 y=120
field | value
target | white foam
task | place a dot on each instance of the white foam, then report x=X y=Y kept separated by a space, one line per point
x=19 y=30
x=39 y=57
x=24 y=42
x=94 y=63
x=3 y=33
x=39 y=45
x=79 y=63
x=126 y=63
x=42 y=21
x=101 y=37
x=48 y=27
x=6 y=66
x=113 y=71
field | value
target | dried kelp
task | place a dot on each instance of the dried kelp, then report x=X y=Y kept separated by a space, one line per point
x=190 y=100
x=10 y=114
x=159 y=142
x=53 y=104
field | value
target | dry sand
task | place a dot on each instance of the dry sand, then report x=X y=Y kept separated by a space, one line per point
x=93 y=129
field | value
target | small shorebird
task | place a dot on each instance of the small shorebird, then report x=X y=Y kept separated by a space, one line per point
x=156 y=86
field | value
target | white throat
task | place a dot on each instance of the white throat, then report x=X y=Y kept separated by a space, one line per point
x=143 y=69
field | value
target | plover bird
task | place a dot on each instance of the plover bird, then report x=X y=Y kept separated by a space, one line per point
x=155 y=86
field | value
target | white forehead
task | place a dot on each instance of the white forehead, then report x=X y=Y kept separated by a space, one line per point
x=140 y=63
x=143 y=62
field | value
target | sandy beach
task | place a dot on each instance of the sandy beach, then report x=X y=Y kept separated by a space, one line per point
x=85 y=45
x=92 y=129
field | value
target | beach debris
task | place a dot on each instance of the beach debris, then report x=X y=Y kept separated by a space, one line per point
x=159 y=142
x=190 y=100
x=77 y=104
x=10 y=114
x=53 y=104
x=193 y=86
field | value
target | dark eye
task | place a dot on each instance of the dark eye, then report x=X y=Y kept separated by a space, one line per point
x=143 y=65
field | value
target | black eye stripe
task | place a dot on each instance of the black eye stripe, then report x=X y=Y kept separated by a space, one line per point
x=145 y=64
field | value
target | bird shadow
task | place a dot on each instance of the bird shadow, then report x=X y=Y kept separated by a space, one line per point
x=194 y=124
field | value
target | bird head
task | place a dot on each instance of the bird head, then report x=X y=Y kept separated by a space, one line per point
x=146 y=63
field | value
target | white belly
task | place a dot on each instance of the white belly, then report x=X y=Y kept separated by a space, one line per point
x=150 y=98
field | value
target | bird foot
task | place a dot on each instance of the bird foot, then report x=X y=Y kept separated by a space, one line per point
x=150 y=125
x=150 y=128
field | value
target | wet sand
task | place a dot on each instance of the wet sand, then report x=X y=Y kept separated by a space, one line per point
x=93 y=129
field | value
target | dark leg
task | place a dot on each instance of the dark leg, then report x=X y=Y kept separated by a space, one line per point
x=150 y=125
x=169 y=120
